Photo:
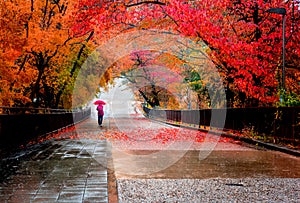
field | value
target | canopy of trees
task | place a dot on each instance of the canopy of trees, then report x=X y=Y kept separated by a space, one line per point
x=45 y=42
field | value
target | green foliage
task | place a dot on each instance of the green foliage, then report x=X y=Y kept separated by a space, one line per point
x=288 y=99
x=193 y=79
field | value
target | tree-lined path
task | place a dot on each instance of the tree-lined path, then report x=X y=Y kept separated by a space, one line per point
x=72 y=167
x=172 y=55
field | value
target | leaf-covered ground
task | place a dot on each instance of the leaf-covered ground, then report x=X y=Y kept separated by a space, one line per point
x=137 y=133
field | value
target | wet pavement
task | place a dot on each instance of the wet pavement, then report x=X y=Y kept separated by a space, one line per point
x=76 y=170
x=219 y=164
x=56 y=171
x=226 y=171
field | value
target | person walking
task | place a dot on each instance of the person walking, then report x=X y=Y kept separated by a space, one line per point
x=100 y=114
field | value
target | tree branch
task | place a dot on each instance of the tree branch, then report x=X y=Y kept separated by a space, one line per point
x=140 y=2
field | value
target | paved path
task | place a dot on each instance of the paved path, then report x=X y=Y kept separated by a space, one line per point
x=56 y=171
x=214 y=170
x=75 y=170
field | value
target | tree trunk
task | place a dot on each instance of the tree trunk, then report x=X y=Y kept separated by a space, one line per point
x=147 y=99
x=60 y=92
x=36 y=88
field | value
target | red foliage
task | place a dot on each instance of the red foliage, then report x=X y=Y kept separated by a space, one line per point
x=244 y=40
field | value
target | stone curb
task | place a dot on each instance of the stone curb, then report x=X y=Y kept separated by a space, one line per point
x=243 y=139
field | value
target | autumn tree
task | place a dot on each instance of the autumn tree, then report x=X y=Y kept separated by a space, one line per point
x=148 y=73
x=43 y=56
x=12 y=78
x=47 y=35
x=243 y=39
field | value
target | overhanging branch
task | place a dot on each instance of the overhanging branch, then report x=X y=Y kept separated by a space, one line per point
x=139 y=2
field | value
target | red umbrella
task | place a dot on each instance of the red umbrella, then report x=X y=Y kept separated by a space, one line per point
x=99 y=102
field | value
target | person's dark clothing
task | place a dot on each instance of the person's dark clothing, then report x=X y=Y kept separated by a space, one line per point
x=100 y=114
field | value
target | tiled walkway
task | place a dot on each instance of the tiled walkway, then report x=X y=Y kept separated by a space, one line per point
x=56 y=171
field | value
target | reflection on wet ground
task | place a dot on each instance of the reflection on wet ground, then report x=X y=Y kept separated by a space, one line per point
x=56 y=171
x=219 y=164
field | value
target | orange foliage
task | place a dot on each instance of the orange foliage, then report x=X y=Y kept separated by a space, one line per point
x=39 y=58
